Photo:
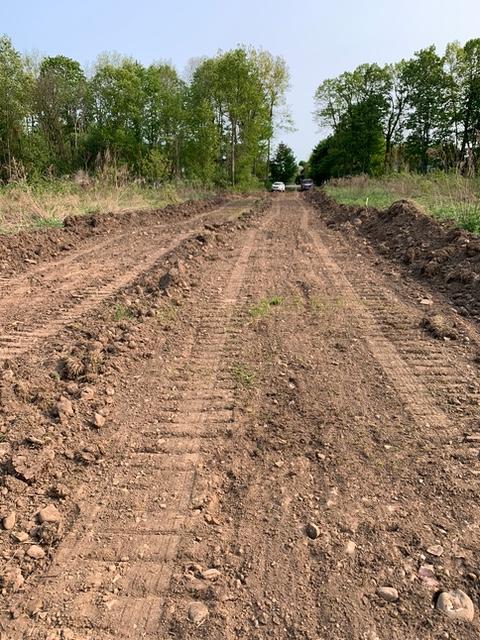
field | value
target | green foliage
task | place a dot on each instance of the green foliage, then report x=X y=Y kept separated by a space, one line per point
x=262 y=307
x=121 y=312
x=426 y=109
x=446 y=196
x=142 y=121
x=243 y=375
x=283 y=166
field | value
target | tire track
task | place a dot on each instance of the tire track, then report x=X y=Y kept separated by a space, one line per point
x=31 y=311
x=114 y=568
x=414 y=394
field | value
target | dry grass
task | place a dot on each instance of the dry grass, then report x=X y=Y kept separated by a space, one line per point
x=46 y=204
x=445 y=196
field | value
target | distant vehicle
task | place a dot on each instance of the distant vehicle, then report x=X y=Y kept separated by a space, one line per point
x=306 y=184
x=278 y=186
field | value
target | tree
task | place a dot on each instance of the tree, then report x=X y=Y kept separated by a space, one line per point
x=426 y=82
x=60 y=95
x=15 y=94
x=164 y=113
x=275 y=79
x=283 y=166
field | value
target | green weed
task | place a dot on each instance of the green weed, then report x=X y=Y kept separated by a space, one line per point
x=243 y=375
x=121 y=312
x=263 y=306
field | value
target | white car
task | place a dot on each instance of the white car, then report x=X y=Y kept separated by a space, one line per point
x=278 y=186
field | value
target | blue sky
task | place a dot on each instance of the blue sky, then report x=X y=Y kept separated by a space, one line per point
x=319 y=39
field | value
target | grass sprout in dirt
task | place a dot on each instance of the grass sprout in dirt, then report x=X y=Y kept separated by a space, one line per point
x=243 y=375
x=444 y=196
x=262 y=307
x=121 y=312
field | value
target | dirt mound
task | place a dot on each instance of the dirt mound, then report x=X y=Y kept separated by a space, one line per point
x=438 y=251
x=19 y=251
x=440 y=327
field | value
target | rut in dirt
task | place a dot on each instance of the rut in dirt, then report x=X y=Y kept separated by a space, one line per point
x=37 y=304
x=293 y=448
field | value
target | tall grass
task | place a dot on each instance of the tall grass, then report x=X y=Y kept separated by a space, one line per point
x=444 y=196
x=47 y=202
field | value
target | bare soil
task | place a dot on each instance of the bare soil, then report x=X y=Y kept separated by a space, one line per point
x=244 y=424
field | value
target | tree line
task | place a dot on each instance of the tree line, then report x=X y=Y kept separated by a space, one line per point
x=215 y=126
x=418 y=115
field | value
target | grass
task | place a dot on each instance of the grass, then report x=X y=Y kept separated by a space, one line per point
x=167 y=314
x=325 y=305
x=243 y=375
x=47 y=203
x=444 y=196
x=121 y=312
x=263 y=306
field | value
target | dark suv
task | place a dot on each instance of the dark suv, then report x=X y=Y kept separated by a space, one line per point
x=305 y=185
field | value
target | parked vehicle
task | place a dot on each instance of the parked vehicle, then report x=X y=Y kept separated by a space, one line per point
x=278 y=186
x=306 y=184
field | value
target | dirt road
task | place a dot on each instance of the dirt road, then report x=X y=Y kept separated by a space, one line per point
x=267 y=444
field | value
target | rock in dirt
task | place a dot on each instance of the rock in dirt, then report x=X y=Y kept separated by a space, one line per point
x=426 y=573
x=435 y=550
x=64 y=407
x=211 y=574
x=440 y=327
x=29 y=464
x=36 y=552
x=20 y=536
x=8 y=521
x=50 y=513
x=99 y=420
x=312 y=531
x=456 y=605
x=350 y=547
x=388 y=593
x=11 y=580
x=197 y=613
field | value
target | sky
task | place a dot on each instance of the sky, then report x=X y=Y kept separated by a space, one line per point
x=318 y=39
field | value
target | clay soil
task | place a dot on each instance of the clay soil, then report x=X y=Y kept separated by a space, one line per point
x=240 y=420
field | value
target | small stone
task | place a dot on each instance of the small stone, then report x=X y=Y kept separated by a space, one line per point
x=350 y=548
x=36 y=552
x=197 y=613
x=99 y=420
x=312 y=531
x=8 y=521
x=456 y=605
x=12 y=579
x=211 y=574
x=426 y=573
x=20 y=536
x=65 y=407
x=110 y=391
x=388 y=593
x=435 y=550
x=50 y=513
x=426 y=302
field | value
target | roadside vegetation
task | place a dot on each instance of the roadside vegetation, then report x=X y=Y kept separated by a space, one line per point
x=404 y=130
x=45 y=203
x=445 y=196
x=417 y=115
x=131 y=130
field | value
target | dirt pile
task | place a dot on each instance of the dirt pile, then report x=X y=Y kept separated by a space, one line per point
x=19 y=251
x=437 y=251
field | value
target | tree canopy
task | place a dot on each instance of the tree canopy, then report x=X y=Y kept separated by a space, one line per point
x=215 y=127
x=418 y=114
